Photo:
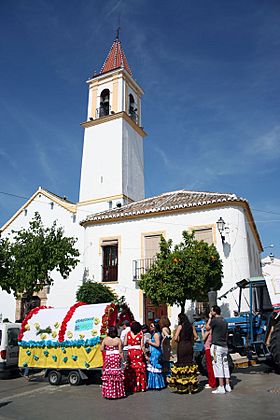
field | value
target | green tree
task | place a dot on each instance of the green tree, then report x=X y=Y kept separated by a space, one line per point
x=5 y=260
x=28 y=260
x=186 y=271
x=92 y=292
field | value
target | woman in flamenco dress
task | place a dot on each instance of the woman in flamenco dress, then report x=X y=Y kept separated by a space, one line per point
x=184 y=375
x=155 y=375
x=112 y=374
x=135 y=370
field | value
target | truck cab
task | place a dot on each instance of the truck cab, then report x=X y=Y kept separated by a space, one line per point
x=9 y=349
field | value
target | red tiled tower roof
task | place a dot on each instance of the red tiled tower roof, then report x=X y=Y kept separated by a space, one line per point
x=115 y=59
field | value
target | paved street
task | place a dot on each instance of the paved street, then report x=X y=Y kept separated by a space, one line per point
x=256 y=395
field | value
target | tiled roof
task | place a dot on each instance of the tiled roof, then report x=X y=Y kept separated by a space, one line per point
x=171 y=201
x=115 y=59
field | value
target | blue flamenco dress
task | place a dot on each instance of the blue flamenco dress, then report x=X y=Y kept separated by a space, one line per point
x=154 y=368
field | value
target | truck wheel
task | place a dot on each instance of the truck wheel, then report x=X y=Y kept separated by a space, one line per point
x=54 y=377
x=275 y=345
x=74 y=378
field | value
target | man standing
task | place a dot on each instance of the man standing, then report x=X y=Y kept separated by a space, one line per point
x=219 y=349
x=125 y=330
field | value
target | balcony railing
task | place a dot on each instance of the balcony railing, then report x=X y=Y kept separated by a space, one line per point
x=102 y=111
x=110 y=273
x=140 y=267
x=133 y=115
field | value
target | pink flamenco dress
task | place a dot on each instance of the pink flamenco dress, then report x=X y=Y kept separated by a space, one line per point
x=135 y=370
x=112 y=375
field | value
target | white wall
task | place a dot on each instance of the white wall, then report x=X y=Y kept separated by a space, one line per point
x=112 y=162
x=101 y=173
x=233 y=252
x=133 y=163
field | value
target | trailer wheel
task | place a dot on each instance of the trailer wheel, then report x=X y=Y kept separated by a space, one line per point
x=54 y=377
x=275 y=345
x=74 y=378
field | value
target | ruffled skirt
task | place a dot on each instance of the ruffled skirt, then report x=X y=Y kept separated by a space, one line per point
x=155 y=378
x=113 y=383
x=184 y=380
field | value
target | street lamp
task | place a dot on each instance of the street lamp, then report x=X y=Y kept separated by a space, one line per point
x=221 y=227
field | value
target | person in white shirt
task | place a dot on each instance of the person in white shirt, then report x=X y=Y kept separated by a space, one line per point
x=125 y=330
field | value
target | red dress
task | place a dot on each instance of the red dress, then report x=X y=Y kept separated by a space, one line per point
x=112 y=375
x=135 y=370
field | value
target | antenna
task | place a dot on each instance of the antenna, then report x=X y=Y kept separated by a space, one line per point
x=119 y=26
x=118 y=32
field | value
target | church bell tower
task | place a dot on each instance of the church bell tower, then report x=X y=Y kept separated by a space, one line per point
x=112 y=172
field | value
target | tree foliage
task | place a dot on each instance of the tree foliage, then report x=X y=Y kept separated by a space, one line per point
x=92 y=292
x=28 y=260
x=186 y=271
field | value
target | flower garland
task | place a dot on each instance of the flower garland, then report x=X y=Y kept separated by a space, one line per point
x=125 y=314
x=27 y=318
x=109 y=318
x=66 y=319
x=55 y=344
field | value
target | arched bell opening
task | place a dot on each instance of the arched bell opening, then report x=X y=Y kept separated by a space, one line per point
x=104 y=103
x=132 y=110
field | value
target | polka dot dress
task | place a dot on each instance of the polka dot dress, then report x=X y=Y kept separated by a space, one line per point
x=135 y=371
x=112 y=375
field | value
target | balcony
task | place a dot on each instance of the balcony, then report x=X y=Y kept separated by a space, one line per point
x=110 y=273
x=133 y=115
x=103 y=110
x=140 y=267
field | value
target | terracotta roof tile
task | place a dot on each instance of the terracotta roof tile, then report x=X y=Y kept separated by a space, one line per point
x=174 y=200
x=115 y=59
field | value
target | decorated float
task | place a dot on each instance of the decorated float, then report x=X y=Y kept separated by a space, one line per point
x=66 y=341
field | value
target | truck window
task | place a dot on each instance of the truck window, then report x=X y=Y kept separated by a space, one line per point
x=0 y=336
x=13 y=336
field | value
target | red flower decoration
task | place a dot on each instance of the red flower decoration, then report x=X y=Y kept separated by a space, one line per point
x=67 y=318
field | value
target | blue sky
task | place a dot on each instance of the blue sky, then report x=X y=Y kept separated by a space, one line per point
x=210 y=70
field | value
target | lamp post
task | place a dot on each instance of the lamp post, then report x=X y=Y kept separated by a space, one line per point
x=221 y=227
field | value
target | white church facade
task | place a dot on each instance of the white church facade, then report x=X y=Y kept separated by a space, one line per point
x=117 y=228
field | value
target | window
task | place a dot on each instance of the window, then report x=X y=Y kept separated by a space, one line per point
x=13 y=336
x=132 y=110
x=204 y=234
x=151 y=246
x=110 y=260
x=104 y=103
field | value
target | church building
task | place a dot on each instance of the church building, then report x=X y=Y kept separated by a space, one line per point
x=118 y=229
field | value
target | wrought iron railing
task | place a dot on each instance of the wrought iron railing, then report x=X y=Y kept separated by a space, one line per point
x=103 y=110
x=110 y=273
x=141 y=266
x=133 y=115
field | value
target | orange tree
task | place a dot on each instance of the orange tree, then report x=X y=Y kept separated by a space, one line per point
x=186 y=271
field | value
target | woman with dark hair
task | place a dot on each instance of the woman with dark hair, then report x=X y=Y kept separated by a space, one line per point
x=184 y=375
x=112 y=375
x=155 y=376
x=135 y=370
x=165 y=345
